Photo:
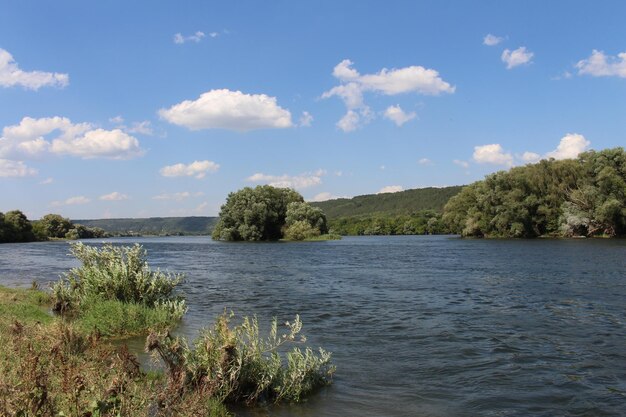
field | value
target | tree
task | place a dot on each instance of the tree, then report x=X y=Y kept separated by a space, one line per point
x=301 y=211
x=255 y=214
x=17 y=228
x=54 y=225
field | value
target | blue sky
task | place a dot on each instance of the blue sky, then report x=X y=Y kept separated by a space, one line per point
x=135 y=109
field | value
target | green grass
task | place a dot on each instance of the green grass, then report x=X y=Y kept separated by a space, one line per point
x=329 y=236
x=27 y=306
x=113 y=318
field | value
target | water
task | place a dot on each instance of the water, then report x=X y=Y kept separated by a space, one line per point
x=418 y=326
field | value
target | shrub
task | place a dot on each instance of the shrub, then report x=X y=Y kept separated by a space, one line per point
x=238 y=365
x=301 y=230
x=120 y=278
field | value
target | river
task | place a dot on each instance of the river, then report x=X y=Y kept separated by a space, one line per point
x=418 y=325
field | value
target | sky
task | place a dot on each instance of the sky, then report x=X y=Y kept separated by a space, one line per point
x=141 y=109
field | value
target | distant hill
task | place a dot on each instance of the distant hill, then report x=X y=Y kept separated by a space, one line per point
x=155 y=226
x=390 y=204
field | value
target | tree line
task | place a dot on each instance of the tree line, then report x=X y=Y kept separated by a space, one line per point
x=16 y=227
x=585 y=196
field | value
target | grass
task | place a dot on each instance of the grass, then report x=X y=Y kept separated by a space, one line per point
x=26 y=306
x=329 y=236
x=64 y=364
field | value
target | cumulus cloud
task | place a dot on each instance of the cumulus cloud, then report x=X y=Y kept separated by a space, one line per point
x=492 y=40
x=390 y=82
x=58 y=135
x=11 y=75
x=47 y=181
x=10 y=168
x=390 y=189
x=492 y=154
x=72 y=201
x=305 y=120
x=601 y=65
x=297 y=182
x=325 y=196
x=114 y=196
x=180 y=196
x=349 y=122
x=179 y=39
x=398 y=116
x=462 y=164
x=197 y=169
x=517 y=57
x=530 y=157
x=569 y=147
x=226 y=109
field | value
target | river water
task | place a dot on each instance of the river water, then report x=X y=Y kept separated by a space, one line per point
x=418 y=325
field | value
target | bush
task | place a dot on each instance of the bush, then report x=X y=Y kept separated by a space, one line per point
x=301 y=230
x=238 y=365
x=120 y=276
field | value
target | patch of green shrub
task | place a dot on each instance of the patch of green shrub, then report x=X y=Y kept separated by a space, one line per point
x=118 y=278
x=236 y=364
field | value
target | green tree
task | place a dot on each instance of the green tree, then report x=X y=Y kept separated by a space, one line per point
x=301 y=211
x=17 y=227
x=54 y=225
x=255 y=214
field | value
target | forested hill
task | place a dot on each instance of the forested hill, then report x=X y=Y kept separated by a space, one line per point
x=389 y=204
x=154 y=225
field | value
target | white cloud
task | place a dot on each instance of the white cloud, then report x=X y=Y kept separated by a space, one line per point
x=117 y=119
x=225 y=109
x=297 y=182
x=492 y=154
x=11 y=75
x=305 y=120
x=196 y=37
x=462 y=164
x=569 y=147
x=390 y=189
x=177 y=196
x=601 y=65
x=530 y=157
x=58 y=135
x=492 y=40
x=114 y=196
x=413 y=79
x=47 y=181
x=10 y=168
x=143 y=128
x=519 y=56
x=197 y=169
x=398 y=116
x=425 y=161
x=72 y=201
x=349 y=122
x=325 y=196
x=99 y=143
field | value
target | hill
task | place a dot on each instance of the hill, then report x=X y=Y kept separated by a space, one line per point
x=155 y=226
x=389 y=204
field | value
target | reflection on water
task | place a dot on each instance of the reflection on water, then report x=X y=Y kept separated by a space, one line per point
x=419 y=326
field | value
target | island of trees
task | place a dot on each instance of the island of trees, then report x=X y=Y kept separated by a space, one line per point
x=585 y=196
x=268 y=213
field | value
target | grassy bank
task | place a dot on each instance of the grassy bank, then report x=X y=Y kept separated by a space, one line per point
x=63 y=364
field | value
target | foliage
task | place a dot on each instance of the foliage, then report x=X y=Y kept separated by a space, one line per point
x=585 y=196
x=236 y=364
x=301 y=230
x=423 y=222
x=15 y=227
x=121 y=279
x=54 y=370
x=54 y=225
x=388 y=205
x=260 y=213
x=154 y=226
x=303 y=212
